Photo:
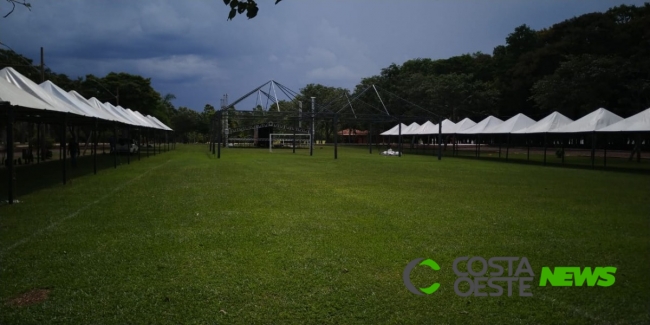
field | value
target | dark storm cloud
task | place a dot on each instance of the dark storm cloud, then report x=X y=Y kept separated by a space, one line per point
x=189 y=49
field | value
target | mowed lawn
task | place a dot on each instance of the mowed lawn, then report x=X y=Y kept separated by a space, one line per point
x=259 y=237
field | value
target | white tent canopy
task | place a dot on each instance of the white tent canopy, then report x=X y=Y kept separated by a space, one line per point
x=448 y=127
x=410 y=129
x=591 y=122
x=636 y=123
x=463 y=125
x=430 y=128
x=121 y=113
x=426 y=128
x=157 y=121
x=16 y=96
x=517 y=122
x=480 y=127
x=20 y=81
x=97 y=105
x=551 y=122
x=394 y=130
x=20 y=91
x=143 y=119
x=62 y=95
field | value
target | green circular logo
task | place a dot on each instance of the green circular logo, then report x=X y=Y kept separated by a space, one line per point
x=406 y=276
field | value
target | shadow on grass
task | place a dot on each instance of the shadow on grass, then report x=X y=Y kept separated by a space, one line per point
x=613 y=164
x=34 y=177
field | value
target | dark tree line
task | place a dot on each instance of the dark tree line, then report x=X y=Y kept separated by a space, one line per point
x=574 y=67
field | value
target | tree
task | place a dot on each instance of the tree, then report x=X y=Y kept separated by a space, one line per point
x=243 y=6
x=184 y=122
x=581 y=84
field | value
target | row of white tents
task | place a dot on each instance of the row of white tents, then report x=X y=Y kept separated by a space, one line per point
x=20 y=91
x=600 y=120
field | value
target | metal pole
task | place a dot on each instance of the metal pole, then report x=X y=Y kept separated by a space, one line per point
x=38 y=143
x=381 y=101
x=42 y=65
x=300 y=115
x=214 y=135
x=440 y=139
x=95 y=147
x=605 y=153
x=294 y=136
x=128 y=145
x=563 y=153
x=313 y=126
x=593 y=150
x=336 y=136
x=219 y=125
x=399 y=137
x=114 y=145
x=64 y=127
x=139 y=143
x=10 y=152
x=225 y=127
x=507 y=145
x=528 y=149
x=147 y=141
x=370 y=138
x=545 y=145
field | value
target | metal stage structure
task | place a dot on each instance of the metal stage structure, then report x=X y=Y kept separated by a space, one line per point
x=272 y=119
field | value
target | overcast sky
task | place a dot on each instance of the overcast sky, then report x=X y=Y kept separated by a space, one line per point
x=189 y=49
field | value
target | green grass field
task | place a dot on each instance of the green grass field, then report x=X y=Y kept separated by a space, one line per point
x=259 y=237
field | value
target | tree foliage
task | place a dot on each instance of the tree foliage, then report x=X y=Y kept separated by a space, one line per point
x=591 y=61
x=239 y=7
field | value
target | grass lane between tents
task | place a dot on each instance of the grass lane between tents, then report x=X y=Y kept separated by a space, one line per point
x=259 y=237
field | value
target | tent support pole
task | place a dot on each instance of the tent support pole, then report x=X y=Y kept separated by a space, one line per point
x=638 y=147
x=527 y=149
x=219 y=125
x=11 y=177
x=593 y=150
x=499 y=148
x=563 y=154
x=399 y=140
x=139 y=143
x=128 y=145
x=95 y=147
x=370 y=138
x=114 y=145
x=64 y=125
x=336 y=136
x=605 y=152
x=38 y=142
x=147 y=141
x=545 y=134
x=507 y=146
x=440 y=138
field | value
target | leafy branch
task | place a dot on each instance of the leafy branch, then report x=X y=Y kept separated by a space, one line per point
x=242 y=6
